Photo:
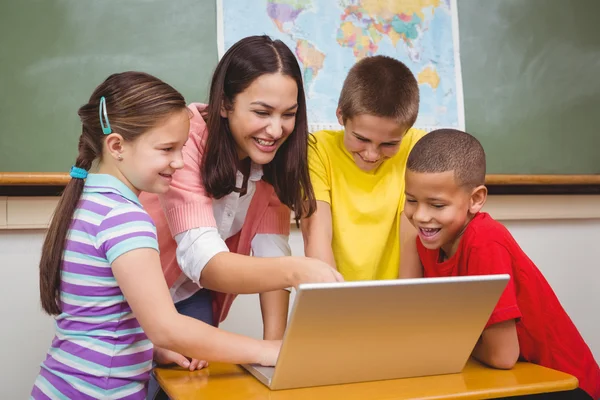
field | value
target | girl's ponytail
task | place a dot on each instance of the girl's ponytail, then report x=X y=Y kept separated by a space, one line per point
x=54 y=243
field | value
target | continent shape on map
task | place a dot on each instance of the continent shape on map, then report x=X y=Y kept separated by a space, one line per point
x=284 y=14
x=311 y=59
x=429 y=76
x=363 y=24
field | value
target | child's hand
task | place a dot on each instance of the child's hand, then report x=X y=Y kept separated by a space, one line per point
x=269 y=352
x=166 y=357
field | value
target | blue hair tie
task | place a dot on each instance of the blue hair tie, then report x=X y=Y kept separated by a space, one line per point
x=78 y=173
x=102 y=113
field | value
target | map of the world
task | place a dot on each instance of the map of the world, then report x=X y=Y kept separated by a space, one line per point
x=329 y=36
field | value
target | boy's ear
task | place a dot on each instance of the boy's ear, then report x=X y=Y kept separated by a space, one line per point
x=340 y=118
x=478 y=198
x=115 y=145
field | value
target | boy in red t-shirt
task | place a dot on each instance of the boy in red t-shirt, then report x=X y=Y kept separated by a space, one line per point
x=444 y=194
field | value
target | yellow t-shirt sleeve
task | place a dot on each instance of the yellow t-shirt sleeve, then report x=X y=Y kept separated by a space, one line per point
x=408 y=142
x=318 y=168
x=411 y=138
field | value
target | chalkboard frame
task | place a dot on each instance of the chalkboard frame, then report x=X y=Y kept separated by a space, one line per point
x=61 y=179
x=51 y=184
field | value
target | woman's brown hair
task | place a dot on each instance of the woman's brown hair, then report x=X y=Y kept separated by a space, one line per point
x=245 y=61
x=135 y=103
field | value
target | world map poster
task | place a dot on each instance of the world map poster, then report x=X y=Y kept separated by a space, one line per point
x=329 y=36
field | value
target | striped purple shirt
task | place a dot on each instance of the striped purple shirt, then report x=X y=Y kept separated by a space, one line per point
x=100 y=350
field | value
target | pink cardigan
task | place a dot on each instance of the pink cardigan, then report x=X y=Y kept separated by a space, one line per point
x=186 y=206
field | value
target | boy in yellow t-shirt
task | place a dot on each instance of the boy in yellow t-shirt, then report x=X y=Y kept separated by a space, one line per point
x=355 y=173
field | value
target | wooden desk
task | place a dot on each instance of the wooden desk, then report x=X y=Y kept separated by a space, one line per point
x=232 y=382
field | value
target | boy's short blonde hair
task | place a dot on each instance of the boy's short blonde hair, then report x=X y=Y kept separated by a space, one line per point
x=381 y=86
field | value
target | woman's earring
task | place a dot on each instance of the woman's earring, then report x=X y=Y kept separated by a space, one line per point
x=120 y=157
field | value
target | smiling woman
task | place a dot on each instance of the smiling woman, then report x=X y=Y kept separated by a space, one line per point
x=245 y=169
x=262 y=119
x=258 y=110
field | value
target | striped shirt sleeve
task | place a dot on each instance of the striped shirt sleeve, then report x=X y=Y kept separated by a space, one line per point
x=125 y=228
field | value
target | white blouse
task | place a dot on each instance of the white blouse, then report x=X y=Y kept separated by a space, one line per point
x=197 y=246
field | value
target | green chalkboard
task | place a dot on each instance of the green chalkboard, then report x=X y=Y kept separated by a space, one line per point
x=530 y=68
x=53 y=53
x=531 y=79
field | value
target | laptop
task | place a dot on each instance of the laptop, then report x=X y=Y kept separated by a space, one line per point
x=349 y=332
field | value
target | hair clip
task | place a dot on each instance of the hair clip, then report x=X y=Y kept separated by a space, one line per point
x=102 y=111
x=78 y=173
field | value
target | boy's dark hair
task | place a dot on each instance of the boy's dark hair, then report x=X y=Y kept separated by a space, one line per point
x=135 y=103
x=242 y=64
x=450 y=150
x=381 y=86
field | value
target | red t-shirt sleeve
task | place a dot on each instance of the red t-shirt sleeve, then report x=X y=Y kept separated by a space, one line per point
x=490 y=260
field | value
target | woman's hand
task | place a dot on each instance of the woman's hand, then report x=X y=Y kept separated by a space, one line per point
x=269 y=352
x=311 y=270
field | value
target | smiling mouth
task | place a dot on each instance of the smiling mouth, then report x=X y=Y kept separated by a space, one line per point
x=264 y=142
x=429 y=232
x=367 y=161
x=166 y=175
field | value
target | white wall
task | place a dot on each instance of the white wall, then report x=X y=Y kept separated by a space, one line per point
x=565 y=250
x=26 y=332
